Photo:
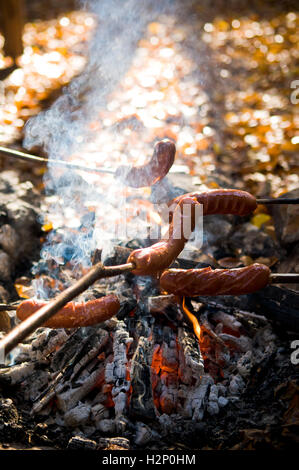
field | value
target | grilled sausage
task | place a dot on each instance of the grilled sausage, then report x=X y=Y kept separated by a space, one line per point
x=151 y=260
x=208 y=281
x=149 y=174
x=74 y=314
x=221 y=201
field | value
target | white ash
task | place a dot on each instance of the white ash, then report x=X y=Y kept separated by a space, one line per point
x=34 y=383
x=16 y=374
x=213 y=395
x=116 y=371
x=222 y=390
x=40 y=344
x=59 y=419
x=243 y=343
x=266 y=341
x=216 y=399
x=222 y=357
x=107 y=426
x=245 y=364
x=196 y=398
x=118 y=368
x=67 y=399
x=77 y=416
x=222 y=402
x=169 y=393
x=121 y=424
x=98 y=413
x=190 y=358
x=84 y=374
x=144 y=434
x=166 y=422
x=101 y=341
x=236 y=385
x=110 y=324
x=120 y=399
x=227 y=320
x=46 y=343
x=213 y=406
x=22 y=353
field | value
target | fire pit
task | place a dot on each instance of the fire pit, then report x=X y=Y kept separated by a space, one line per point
x=144 y=374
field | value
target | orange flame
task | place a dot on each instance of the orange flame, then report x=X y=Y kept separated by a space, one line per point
x=193 y=320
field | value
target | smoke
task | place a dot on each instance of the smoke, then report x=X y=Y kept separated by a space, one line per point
x=64 y=129
x=121 y=24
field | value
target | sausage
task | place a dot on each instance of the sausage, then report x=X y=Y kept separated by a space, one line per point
x=155 y=258
x=152 y=172
x=73 y=314
x=221 y=201
x=208 y=281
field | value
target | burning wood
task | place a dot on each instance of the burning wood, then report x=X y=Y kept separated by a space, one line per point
x=98 y=381
x=145 y=261
x=68 y=362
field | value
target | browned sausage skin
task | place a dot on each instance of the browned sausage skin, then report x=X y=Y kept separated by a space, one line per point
x=151 y=260
x=149 y=174
x=208 y=281
x=74 y=314
x=222 y=201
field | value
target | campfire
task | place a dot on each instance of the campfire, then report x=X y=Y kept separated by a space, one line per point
x=129 y=332
x=163 y=357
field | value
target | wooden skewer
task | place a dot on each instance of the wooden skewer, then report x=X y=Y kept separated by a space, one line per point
x=284 y=278
x=9 y=306
x=278 y=200
x=99 y=271
x=64 y=164
x=34 y=158
x=275 y=278
x=24 y=329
